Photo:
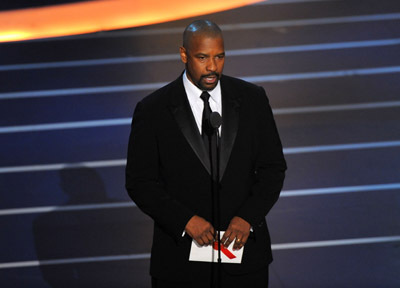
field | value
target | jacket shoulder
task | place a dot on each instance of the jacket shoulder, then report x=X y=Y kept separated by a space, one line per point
x=244 y=91
x=239 y=84
x=161 y=95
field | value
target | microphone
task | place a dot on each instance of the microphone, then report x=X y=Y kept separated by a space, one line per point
x=215 y=120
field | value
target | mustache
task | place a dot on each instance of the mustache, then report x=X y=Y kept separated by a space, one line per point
x=211 y=74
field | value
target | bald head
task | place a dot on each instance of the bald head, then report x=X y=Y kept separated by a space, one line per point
x=200 y=28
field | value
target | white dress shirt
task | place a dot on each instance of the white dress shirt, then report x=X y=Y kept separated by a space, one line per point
x=197 y=104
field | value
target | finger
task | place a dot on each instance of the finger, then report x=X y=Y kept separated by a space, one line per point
x=238 y=242
x=224 y=237
x=244 y=239
x=199 y=241
x=210 y=237
x=237 y=246
x=206 y=239
x=230 y=239
x=212 y=230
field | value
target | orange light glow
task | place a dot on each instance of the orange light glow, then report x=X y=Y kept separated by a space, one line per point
x=94 y=16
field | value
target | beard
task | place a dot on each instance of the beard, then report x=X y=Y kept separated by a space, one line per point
x=204 y=86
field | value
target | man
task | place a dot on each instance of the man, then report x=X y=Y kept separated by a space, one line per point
x=168 y=168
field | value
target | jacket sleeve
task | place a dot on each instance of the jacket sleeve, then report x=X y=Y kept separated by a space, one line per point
x=269 y=165
x=142 y=177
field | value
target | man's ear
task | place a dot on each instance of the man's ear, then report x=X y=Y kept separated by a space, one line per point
x=182 y=51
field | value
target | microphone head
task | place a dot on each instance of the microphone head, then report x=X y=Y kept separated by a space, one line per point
x=215 y=120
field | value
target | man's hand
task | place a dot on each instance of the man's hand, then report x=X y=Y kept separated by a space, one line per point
x=200 y=230
x=238 y=229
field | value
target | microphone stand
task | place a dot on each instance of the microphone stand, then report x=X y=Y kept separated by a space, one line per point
x=218 y=211
x=215 y=122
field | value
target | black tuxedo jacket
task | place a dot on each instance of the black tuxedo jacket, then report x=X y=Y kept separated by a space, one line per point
x=168 y=172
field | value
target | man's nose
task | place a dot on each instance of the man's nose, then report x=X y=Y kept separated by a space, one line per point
x=212 y=65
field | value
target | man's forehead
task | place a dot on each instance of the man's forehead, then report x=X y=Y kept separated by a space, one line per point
x=205 y=40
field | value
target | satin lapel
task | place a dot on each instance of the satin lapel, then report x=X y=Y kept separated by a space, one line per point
x=230 y=121
x=182 y=112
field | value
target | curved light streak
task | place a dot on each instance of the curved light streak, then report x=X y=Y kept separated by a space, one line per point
x=103 y=15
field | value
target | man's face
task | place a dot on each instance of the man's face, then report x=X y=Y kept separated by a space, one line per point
x=204 y=60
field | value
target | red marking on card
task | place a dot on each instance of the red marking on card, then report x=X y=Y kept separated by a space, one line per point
x=224 y=250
